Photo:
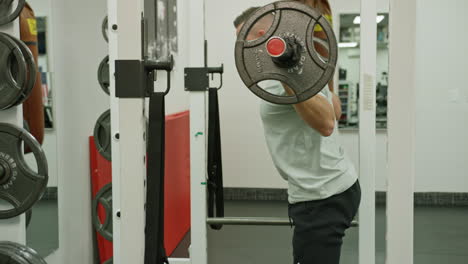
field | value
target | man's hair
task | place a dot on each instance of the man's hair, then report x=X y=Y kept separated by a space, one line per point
x=321 y=5
x=245 y=15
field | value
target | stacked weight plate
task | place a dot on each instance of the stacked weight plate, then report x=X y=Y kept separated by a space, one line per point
x=103 y=70
x=102 y=129
x=105 y=26
x=17 y=71
x=103 y=75
x=13 y=253
x=103 y=198
x=9 y=11
x=20 y=186
x=102 y=135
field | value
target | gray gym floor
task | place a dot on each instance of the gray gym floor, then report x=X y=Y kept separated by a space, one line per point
x=441 y=236
x=42 y=233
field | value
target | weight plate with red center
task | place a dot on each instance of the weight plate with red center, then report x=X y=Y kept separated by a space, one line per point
x=277 y=43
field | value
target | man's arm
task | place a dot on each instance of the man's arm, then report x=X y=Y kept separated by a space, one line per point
x=322 y=50
x=336 y=101
x=317 y=112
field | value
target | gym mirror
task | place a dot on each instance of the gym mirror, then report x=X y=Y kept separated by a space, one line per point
x=348 y=69
x=42 y=229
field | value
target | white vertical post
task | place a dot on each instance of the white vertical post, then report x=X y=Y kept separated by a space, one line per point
x=13 y=229
x=367 y=137
x=198 y=174
x=401 y=132
x=129 y=151
x=199 y=246
x=114 y=105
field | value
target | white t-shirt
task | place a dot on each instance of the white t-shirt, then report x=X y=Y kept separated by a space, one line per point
x=315 y=167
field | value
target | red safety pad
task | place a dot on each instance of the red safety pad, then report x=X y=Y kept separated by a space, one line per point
x=177 y=183
x=101 y=175
x=177 y=180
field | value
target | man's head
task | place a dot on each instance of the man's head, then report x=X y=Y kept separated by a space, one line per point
x=260 y=27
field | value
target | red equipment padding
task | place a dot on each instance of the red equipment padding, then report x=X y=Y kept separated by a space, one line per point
x=101 y=175
x=177 y=183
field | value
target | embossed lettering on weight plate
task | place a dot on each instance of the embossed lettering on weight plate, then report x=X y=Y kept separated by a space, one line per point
x=299 y=68
x=258 y=61
x=12 y=165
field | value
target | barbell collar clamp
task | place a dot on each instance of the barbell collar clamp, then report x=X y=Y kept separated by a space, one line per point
x=160 y=65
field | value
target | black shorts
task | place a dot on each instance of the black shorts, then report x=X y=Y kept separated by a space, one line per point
x=320 y=226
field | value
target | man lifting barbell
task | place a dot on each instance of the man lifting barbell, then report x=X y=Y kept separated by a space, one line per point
x=323 y=191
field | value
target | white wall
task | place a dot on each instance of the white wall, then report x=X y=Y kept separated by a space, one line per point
x=442 y=96
x=246 y=160
x=354 y=6
x=41 y=7
x=79 y=48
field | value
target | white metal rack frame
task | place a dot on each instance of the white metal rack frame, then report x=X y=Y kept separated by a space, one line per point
x=401 y=132
x=128 y=146
x=367 y=137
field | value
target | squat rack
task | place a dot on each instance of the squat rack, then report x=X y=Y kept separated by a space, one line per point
x=128 y=147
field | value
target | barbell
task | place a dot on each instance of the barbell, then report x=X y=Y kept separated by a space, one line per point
x=286 y=51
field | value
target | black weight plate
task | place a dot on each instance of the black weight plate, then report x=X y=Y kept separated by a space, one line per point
x=7 y=14
x=103 y=197
x=103 y=75
x=16 y=250
x=294 y=22
x=8 y=255
x=13 y=72
x=31 y=255
x=105 y=29
x=102 y=135
x=21 y=252
x=19 y=185
x=31 y=69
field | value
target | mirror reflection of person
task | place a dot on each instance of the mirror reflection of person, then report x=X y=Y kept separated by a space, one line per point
x=323 y=188
x=33 y=107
